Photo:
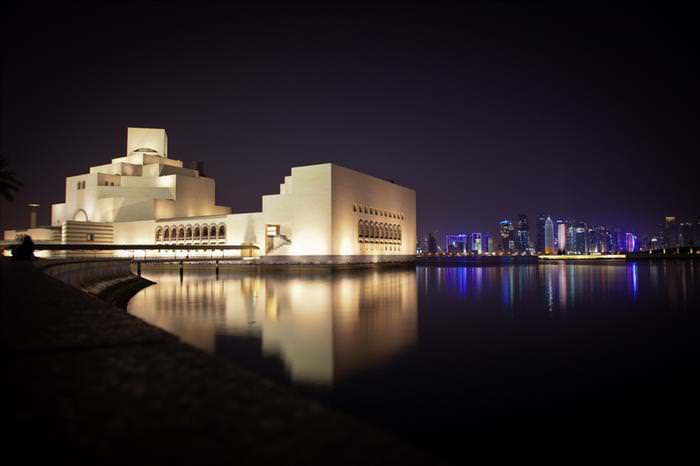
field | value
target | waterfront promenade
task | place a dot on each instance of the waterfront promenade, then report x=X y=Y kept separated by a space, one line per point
x=87 y=382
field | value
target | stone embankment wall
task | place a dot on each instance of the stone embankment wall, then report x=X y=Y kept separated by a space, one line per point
x=91 y=275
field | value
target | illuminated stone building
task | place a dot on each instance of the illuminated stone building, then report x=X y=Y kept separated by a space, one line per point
x=322 y=214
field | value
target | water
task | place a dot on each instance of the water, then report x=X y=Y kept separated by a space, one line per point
x=511 y=356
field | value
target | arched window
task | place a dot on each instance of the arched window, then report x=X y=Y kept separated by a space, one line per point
x=181 y=234
x=166 y=234
x=80 y=215
x=365 y=209
x=222 y=232
x=354 y=208
x=399 y=233
x=205 y=233
x=188 y=233
x=212 y=232
x=196 y=232
x=159 y=234
x=360 y=229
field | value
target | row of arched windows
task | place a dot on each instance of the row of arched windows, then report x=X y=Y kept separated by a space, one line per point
x=198 y=233
x=372 y=211
x=368 y=231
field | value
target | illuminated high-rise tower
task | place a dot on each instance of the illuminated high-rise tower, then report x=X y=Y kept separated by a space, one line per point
x=540 y=232
x=505 y=229
x=548 y=236
x=523 y=233
x=561 y=235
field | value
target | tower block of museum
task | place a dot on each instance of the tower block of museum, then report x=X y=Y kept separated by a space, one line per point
x=142 y=185
x=323 y=213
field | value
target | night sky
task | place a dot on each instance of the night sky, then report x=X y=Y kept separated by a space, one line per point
x=583 y=111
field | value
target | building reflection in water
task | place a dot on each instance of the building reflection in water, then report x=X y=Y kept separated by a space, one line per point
x=322 y=328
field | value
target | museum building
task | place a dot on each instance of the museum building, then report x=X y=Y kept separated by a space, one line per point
x=323 y=213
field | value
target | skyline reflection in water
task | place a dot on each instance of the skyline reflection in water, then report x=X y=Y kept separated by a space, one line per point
x=512 y=352
x=320 y=327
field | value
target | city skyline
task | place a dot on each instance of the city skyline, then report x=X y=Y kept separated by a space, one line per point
x=554 y=234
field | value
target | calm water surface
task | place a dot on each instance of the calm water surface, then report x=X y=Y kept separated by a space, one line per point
x=518 y=354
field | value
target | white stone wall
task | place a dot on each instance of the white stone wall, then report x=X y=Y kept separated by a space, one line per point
x=140 y=232
x=389 y=207
x=153 y=138
x=303 y=211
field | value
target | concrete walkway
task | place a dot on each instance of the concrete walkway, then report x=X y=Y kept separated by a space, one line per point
x=89 y=383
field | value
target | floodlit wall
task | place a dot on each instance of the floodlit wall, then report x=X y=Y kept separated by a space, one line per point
x=303 y=211
x=37 y=234
x=87 y=232
x=152 y=138
x=246 y=229
x=140 y=232
x=58 y=213
x=386 y=206
x=195 y=197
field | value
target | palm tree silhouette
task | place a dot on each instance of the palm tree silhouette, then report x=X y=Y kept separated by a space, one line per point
x=8 y=182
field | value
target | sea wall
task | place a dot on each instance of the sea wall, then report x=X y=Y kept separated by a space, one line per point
x=95 y=276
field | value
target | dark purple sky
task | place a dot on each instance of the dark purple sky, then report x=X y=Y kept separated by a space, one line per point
x=585 y=112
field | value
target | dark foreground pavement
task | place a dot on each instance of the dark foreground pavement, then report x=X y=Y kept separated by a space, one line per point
x=89 y=383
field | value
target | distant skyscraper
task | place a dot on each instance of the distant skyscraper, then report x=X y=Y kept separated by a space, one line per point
x=539 y=246
x=670 y=232
x=600 y=240
x=505 y=229
x=581 y=238
x=475 y=243
x=685 y=235
x=523 y=233
x=561 y=235
x=631 y=244
x=620 y=240
x=571 y=236
x=432 y=244
x=456 y=244
x=548 y=236
x=487 y=242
